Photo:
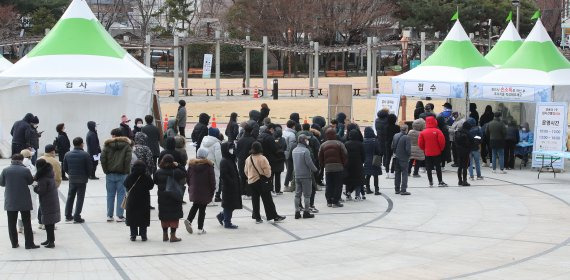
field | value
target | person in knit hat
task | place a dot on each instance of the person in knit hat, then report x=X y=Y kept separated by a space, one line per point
x=201 y=188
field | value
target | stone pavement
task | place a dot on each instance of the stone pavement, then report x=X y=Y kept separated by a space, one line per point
x=508 y=226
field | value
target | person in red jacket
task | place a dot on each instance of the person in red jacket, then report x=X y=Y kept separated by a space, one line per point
x=432 y=142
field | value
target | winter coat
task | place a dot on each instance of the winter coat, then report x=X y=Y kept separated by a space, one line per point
x=78 y=164
x=381 y=125
x=314 y=143
x=143 y=153
x=269 y=148
x=371 y=148
x=92 y=140
x=417 y=127
x=332 y=154
x=116 y=156
x=229 y=178
x=295 y=117
x=126 y=130
x=49 y=199
x=263 y=113
x=261 y=163
x=35 y=138
x=497 y=133
x=200 y=129
x=138 y=184
x=281 y=145
x=214 y=147
x=463 y=140
x=341 y=126
x=457 y=125
x=232 y=131
x=290 y=137
x=181 y=116
x=201 y=181
x=446 y=153
x=22 y=131
x=170 y=149
x=419 y=110
x=56 y=166
x=63 y=145
x=355 y=160
x=16 y=178
x=243 y=147
x=487 y=116
x=402 y=147
x=473 y=113
x=303 y=162
x=321 y=121
x=512 y=134
x=431 y=139
x=391 y=130
x=181 y=147
x=168 y=208
x=447 y=115
x=153 y=138
x=171 y=130
x=474 y=132
x=253 y=122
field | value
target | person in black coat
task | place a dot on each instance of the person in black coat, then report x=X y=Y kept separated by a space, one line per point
x=169 y=208
x=391 y=130
x=93 y=146
x=242 y=152
x=295 y=117
x=465 y=144
x=446 y=153
x=263 y=113
x=232 y=130
x=473 y=113
x=170 y=149
x=77 y=163
x=138 y=185
x=200 y=130
x=62 y=146
x=231 y=193
x=419 y=110
x=279 y=159
x=153 y=137
x=49 y=200
x=138 y=126
x=371 y=149
x=35 y=138
x=22 y=134
x=267 y=141
x=126 y=130
x=485 y=119
x=254 y=119
x=354 y=165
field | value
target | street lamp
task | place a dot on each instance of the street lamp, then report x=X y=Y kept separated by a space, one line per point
x=517 y=4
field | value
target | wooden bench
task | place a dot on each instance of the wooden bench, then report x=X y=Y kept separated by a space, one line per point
x=336 y=73
x=276 y=73
x=195 y=71
x=163 y=64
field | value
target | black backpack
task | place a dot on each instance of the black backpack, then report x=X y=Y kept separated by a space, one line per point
x=56 y=145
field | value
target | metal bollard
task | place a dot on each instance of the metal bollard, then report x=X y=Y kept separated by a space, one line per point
x=275 y=89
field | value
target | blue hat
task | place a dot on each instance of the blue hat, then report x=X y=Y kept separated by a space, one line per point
x=212 y=131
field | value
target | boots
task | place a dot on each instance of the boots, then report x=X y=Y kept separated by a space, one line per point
x=165 y=234
x=377 y=190
x=368 y=190
x=173 y=237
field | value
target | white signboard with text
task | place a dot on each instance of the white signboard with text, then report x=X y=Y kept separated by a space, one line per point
x=90 y=87
x=510 y=93
x=550 y=131
x=428 y=89
x=389 y=101
x=207 y=67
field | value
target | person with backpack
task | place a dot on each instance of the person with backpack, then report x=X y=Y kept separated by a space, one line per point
x=169 y=203
x=464 y=143
x=475 y=156
x=62 y=145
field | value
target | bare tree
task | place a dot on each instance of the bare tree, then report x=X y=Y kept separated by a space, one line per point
x=144 y=11
x=8 y=21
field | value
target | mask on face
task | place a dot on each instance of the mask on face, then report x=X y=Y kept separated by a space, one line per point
x=524 y=129
x=139 y=125
x=307 y=142
x=35 y=125
x=231 y=151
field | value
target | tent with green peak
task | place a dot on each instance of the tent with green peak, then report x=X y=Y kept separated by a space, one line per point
x=4 y=64
x=509 y=42
x=445 y=73
x=536 y=72
x=77 y=73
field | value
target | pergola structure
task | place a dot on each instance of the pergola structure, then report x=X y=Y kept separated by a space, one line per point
x=180 y=47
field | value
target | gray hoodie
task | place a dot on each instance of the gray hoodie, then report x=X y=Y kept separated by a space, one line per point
x=402 y=147
x=303 y=165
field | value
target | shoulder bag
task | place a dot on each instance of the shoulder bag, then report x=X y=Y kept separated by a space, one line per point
x=126 y=199
x=173 y=188
x=264 y=180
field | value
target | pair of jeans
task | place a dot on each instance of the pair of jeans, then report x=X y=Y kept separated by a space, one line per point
x=201 y=214
x=13 y=231
x=50 y=232
x=258 y=190
x=333 y=186
x=227 y=216
x=277 y=180
x=417 y=165
x=401 y=179
x=305 y=189
x=78 y=190
x=431 y=163
x=138 y=231
x=115 y=188
x=500 y=154
x=475 y=160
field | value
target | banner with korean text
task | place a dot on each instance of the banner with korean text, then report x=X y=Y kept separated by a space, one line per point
x=428 y=89
x=550 y=131
x=508 y=93
x=90 y=87
x=207 y=66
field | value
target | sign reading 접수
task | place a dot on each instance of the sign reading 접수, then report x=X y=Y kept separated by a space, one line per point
x=90 y=87
x=550 y=130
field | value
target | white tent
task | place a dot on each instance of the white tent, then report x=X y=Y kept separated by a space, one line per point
x=446 y=72
x=76 y=74
x=4 y=63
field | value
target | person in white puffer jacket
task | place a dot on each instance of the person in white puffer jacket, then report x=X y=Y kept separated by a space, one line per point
x=27 y=162
x=213 y=144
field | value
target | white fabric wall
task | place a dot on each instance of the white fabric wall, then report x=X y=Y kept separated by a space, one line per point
x=72 y=109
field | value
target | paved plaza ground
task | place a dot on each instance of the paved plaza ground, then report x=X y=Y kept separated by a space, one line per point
x=508 y=226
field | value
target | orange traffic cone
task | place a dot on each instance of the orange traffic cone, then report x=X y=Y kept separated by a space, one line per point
x=165 y=124
x=255 y=93
x=306 y=121
x=214 y=124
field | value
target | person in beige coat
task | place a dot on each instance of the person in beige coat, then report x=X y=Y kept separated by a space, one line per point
x=49 y=156
x=417 y=157
x=256 y=167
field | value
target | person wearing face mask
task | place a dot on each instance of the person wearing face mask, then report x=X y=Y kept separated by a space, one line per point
x=524 y=147
x=63 y=145
x=304 y=169
x=231 y=193
x=138 y=126
x=35 y=138
x=125 y=128
x=93 y=147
